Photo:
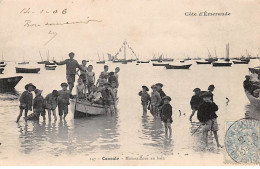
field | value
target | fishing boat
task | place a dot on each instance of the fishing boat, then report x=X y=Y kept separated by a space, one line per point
x=160 y=64
x=50 y=67
x=143 y=61
x=203 y=62
x=255 y=69
x=178 y=66
x=101 y=61
x=2 y=65
x=1 y=70
x=253 y=100
x=9 y=83
x=226 y=63
x=23 y=63
x=2 y=62
x=84 y=108
x=241 y=62
x=27 y=70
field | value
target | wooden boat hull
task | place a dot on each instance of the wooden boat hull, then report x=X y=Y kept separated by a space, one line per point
x=50 y=67
x=1 y=70
x=23 y=63
x=2 y=62
x=9 y=83
x=27 y=70
x=254 y=101
x=3 y=65
x=83 y=108
x=178 y=66
x=101 y=62
x=203 y=62
x=160 y=64
x=143 y=61
x=216 y=64
x=240 y=62
x=257 y=70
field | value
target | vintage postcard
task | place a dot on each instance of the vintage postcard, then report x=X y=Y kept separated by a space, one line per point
x=130 y=82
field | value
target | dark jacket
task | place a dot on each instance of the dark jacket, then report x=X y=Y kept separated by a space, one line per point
x=26 y=99
x=195 y=102
x=38 y=103
x=162 y=94
x=166 y=113
x=207 y=111
x=145 y=97
x=247 y=85
x=71 y=65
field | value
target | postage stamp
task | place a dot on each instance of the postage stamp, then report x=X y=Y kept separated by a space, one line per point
x=242 y=141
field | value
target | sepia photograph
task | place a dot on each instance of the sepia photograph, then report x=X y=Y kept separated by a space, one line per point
x=129 y=83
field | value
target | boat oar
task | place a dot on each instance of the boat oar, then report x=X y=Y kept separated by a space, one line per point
x=196 y=130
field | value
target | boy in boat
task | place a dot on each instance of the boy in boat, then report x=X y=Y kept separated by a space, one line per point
x=208 y=118
x=101 y=81
x=166 y=114
x=26 y=100
x=112 y=78
x=51 y=104
x=145 y=98
x=105 y=72
x=108 y=97
x=195 y=101
x=71 y=65
x=155 y=101
x=95 y=96
x=90 y=78
x=39 y=104
x=83 y=72
x=80 y=89
x=117 y=70
x=63 y=100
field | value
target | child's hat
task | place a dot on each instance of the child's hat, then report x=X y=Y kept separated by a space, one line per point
x=37 y=91
x=145 y=87
x=29 y=84
x=55 y=93
x=211 y=87
x=153 y=86
x=206 y=94
x=159 y=84
x=64 y=84
x=167 y=98
x=196 y=89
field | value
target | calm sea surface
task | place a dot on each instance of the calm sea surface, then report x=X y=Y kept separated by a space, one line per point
x=129 y=132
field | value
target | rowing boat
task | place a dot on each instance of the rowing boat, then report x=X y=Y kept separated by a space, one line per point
x=160 y=64
x=203 y=62
x=221 y=64
x=178 y=66
x=27 y=70
x=241 y=62
x=9 y=83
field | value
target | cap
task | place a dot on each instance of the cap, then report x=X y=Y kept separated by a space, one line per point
x=159 y=84
x=211 y=87
x=64 y=84
x=196 y=89
x=37 y=91
x=153 y=86
x=167 y=98
x=29 y=84
x=145 y=87
x=206 y=94
x=71 y=54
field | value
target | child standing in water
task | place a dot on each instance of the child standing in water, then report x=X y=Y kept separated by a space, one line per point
x=80 y=89
x=166 y=114
x=145 y=98
x=51 y=104
x=155 y=101
x=63 y=100
x=83 y=72
x=108 y=97
x=38 y=104
x=194 y=102
x=90 y=78
x=208 y=118
x=26 y=100
x=117 y=70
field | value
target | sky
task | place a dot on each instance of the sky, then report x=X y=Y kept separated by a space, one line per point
x=149 y=26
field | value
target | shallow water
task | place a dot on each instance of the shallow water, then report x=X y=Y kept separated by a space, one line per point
x=129 y=132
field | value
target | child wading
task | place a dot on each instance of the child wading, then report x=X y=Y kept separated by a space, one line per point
x=108 y=98
x=26 y=100
x=195 y=102
x=145 y=98
x=63 y=100
x=39 y=104
x=90 y=78
x=208 y=118
x=51 y=104
x=80 y=90
x=166 y=114
x=155 y=101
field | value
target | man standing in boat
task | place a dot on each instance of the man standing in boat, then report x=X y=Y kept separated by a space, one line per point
x=71 y=66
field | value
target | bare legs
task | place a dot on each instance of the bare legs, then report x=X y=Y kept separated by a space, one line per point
x=21 y=113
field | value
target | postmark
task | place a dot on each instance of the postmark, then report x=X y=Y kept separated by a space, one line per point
x=243 y=142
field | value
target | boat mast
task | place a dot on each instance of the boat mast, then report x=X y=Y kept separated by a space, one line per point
x=124 y=51
x=98 y=56
x=40 y=54
x=227 y=50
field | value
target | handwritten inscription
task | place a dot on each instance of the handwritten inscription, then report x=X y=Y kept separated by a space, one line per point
x=43 y=11
x=54 y=34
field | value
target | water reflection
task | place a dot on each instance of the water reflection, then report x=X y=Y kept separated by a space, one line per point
x=154 y=136
x=9 y=96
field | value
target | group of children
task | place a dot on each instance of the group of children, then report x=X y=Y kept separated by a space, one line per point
x=39 y=104
x=158 y=104
x=105 y=90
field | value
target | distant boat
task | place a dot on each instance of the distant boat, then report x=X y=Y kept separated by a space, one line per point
x=241 y=62
x=27 y=70
x=50 y=67
x=203 y=62
x=1 y=70
x=224 y=64
x=160 y=64
x=178 y=66
x=101 y=62
x=2 y=65
x=182 y=61
x=9 y=83
x=2 y=62
x=23 y=63
x=143 y=61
